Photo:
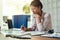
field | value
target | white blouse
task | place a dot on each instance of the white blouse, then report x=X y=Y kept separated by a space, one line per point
x=45 y=24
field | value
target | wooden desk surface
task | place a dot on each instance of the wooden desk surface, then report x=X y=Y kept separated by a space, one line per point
x=43 y=38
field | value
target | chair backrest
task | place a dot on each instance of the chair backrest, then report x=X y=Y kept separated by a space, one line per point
x=19 y=20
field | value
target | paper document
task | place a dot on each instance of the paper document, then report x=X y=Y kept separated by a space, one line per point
x=52 y=35
x=35 y=32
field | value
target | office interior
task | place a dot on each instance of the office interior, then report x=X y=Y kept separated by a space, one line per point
x=10 y=9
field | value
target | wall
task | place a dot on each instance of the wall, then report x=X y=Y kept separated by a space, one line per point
x=53 y=7
x=13 y=7
x=1 y=13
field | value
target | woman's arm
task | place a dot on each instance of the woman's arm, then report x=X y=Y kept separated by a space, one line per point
x=47 y=22
x=32 y=28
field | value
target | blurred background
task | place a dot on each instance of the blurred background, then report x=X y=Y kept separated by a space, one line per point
x=8 y=8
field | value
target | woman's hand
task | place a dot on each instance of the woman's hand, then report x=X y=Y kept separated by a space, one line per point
x=38 y=18
x=23 y=28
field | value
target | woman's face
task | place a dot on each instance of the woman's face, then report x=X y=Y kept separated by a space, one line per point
x=36 y=10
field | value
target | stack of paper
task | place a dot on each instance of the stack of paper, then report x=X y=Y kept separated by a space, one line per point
x=28 y=34
x=23 y=36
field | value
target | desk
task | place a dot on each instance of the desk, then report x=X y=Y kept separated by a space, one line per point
x=40 y=38
x=12 y=32
x=43 y=38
